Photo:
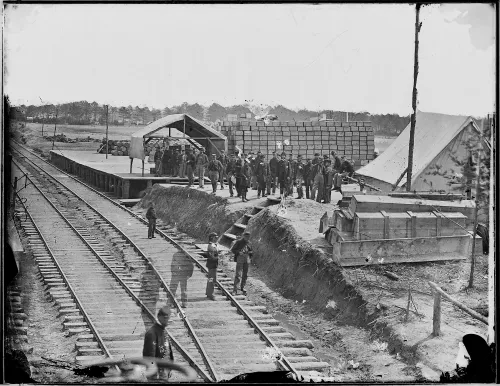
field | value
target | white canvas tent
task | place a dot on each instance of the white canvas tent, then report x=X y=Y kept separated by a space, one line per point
x=440 y=140
x=176 y=126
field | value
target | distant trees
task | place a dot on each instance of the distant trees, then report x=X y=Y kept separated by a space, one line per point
x=85 y=113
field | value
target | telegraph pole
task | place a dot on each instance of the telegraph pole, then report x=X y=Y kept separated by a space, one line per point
x=418 y=25
x=55 y=127
x=107 y=107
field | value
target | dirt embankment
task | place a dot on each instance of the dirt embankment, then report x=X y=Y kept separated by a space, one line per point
x=191 y=211
x=302 y=270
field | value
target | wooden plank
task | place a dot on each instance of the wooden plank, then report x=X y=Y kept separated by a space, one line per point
x=386 y=224
x=357 y=261
x=436 y=315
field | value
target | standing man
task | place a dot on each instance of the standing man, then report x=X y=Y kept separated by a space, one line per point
x=182 y=164
x=316 y=159
x=299 y=176
x=318 y=180
x=231 y=172
x=328 y=177
x=244 y=176
x=201 y=163
x=190 y=164
x=214 y=169
x=261 y=173
x=283 y=174
x=212 y=264
x=175 y=163
x=151 y=216
x=337 y=182
x=156 y=344
x=291 y=168
x=158 y=156
x=164 y=161
x=253 y=177
x=242 y=254
x=237 y=174
x=181 y=269
x=347 y=168
x=308 y=176
x=224 y=160
x=273 y=170
x=337 y=164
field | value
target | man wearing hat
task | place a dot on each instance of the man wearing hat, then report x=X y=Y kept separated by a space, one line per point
x=291 y=168
x=273 y=171
x=299 y=176
x=336 y=163
x=156 y=344
x=318 y=180
x=151 y=217
x=190 y=165
x=261 y=173
x=212 y=263
x=231 y=173
x=201 y=163
x=242 y=250
x=283 y=174
x=328 y=181
x=346 y=167
x=214 y=170
x=224 y=160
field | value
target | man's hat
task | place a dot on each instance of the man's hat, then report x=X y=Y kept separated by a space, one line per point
x=316 y=154
x=246 y=233
x=213 y=234
x=165 y=310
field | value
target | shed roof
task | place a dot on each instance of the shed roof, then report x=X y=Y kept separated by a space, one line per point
x=433 y=132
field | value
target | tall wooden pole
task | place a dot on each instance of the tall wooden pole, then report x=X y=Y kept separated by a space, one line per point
x=107 y=107
x=472 y=257
x=492 y=309
x=55 y=128
x=414 y=101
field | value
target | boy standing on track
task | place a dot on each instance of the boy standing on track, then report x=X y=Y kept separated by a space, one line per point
x=181 y=268
x=212 y=264
x=242 y=253
x=151 y=216
x=156 y=344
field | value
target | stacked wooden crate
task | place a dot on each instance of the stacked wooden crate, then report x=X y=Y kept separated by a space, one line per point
x=355 y=140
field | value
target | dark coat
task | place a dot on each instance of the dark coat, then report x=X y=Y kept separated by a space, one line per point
x=273 y=166
x=155 y=343
x=283 y=169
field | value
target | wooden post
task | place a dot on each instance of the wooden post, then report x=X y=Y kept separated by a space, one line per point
x=107 y=148
x=414 y=100
x=439 y=220
x=472 y=255
x=143 y=167
x=184 y=125
x=386 y=224
x=413 y=224
x=436 y=317
x=131 y=161
x=55 y=127
x=42 y=129
x=408 y=305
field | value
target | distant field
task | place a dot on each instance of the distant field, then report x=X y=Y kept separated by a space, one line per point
x=73 y=131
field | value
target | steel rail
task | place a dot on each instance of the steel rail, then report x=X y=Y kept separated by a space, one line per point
x=75 y=297
x=191 y=361
x=283 y=362
x=188 y=325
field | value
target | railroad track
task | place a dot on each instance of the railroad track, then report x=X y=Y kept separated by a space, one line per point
x=233 y=334
x=96 y=296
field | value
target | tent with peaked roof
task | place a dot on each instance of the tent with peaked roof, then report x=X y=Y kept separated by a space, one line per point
x=177 y=126
x=440 y=141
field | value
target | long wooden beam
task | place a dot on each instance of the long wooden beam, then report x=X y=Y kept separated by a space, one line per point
x=465 y=309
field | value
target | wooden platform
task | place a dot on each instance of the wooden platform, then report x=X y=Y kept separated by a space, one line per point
x=111 y=175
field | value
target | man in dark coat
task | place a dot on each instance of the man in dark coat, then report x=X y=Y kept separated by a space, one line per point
x=156 y=344
x=346 y=167
x=283 y=174
x=243 y=252
x=307 y=176
x=244 y=179
x=261 y=173
x=299 y=176
x=336 y=163
x=291 y=168
x=158 y=160
x=224 y=160
x=273 y=171
x=230 y=173
x=237 y=173
x=318 y=180
x=190 y=165
x=175 y=163
x=214 y=169
x=151 y=217
x=212 y=264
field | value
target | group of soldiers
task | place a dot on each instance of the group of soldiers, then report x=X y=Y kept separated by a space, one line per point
x=318 y=176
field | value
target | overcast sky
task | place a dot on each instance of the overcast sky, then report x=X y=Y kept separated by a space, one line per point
x=335 y=56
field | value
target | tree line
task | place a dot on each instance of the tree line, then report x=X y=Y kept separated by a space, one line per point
x=87 y=113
